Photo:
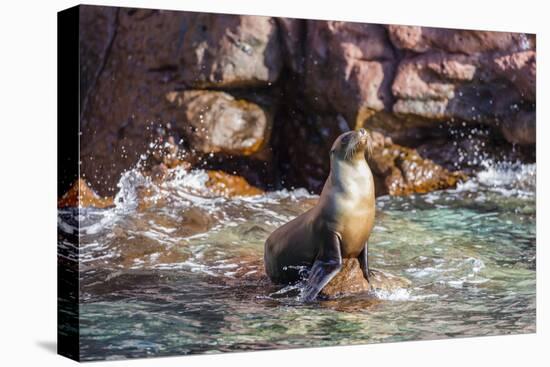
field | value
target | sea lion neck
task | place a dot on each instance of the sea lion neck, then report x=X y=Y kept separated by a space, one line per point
x=347 y=174
x=357 y=160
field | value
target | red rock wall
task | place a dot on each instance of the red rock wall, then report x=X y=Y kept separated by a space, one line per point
x=265 y=97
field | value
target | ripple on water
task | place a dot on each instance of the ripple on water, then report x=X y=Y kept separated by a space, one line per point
x=173 y=270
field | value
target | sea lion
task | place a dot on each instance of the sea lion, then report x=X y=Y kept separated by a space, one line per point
x=337 y=227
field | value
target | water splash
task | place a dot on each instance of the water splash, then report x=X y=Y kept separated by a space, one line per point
x=173 y=260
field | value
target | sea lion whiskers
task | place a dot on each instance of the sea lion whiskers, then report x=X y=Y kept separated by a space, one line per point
x=355 y=144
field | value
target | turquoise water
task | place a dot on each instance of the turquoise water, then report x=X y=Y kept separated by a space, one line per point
x=172 y=270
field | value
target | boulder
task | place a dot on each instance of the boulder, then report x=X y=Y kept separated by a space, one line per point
x=465 y=148
x=350 y=280
x=422 y=39
x=493 y=89
x=230 y=51
x=466 y=76
x=398 y=170
x=520 y=68
x=224 y=184
x=148 y=54
x=80 y=195
x=127 y=106
x=217 y=123
x=338 y=75
x=304 y=144
x=349 y=69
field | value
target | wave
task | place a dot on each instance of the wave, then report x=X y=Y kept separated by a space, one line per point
x=506 y=178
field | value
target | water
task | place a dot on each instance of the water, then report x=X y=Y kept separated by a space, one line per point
x=172 y=270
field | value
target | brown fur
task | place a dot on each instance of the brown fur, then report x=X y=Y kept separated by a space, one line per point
x=346 y=207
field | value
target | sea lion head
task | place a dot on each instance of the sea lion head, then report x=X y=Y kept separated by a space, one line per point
x=352 y=145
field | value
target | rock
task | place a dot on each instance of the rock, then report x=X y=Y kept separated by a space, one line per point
x=391 y=78
x=159 y=172
x=521 y=129
x=398 y=170
x=488 y=89
x=463 y=75
x=80 y=195
x=166 y=152
x=97 y=26
x=224 y=184
x=152 y=194
x=217 y=123
x=350 y=280
x=349 y=69
x=463 y=148
x=292 y=33
x=422 y=39
x=219 y=183
x=230 y=51
x=306 y=140
x=302 y=144
x=127 y=104
x=520 y=68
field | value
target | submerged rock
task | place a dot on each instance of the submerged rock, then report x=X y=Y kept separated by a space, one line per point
x=350 y=280
x=80 y=195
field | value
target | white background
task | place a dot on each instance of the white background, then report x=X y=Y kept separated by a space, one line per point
x=28 y=182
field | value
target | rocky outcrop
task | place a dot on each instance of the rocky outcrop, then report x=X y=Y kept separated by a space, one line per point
x=147 y=59
x=98 y=28
x=216 y=122
x=127 y=103
x=80 y=195
x=223 y=184
x=349 y=69
x=292 y=33
x=422 y=39
x=350 y=280
x=214 y=84
x=398 y=170
x=466 y=76
x=226 y=51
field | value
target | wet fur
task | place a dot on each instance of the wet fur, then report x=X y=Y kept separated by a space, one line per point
x=341 y=222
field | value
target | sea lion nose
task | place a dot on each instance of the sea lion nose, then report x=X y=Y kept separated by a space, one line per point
x=362 y=131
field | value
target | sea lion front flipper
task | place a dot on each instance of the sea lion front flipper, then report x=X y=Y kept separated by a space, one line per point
x=327 y=265
x=364 y=262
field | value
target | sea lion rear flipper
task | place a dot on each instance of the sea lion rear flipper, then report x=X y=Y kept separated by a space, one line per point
x=327 y=265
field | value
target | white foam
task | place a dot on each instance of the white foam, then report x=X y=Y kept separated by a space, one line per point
x=399 y=294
